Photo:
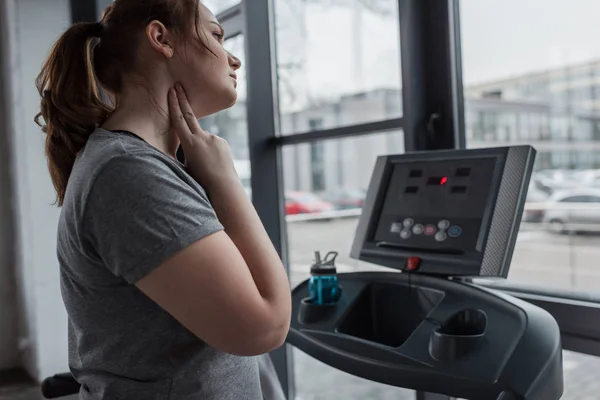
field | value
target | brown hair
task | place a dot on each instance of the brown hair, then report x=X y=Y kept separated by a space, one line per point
x=89 y=56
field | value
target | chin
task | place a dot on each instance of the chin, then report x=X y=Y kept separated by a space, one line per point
x=225 y=100
x=234 y=99
x=229 y=96
x=219 y=101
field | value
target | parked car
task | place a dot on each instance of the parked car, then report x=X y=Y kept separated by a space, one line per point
x=297 y=202
x=576 y=210
x=346 y=199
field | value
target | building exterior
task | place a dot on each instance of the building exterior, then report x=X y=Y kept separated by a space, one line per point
x=347 y=163
x=557 y=111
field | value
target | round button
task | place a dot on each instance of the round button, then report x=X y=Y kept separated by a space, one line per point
x=396 y=227
x=405 y=234
x=444 y=224
x=418 y=229
x=454 y=231
x=441 y=236
x=430 y=230
x=408 y=222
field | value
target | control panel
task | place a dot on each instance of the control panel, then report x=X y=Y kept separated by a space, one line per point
x=436 y=205
x=440 y=230
x=457 y=211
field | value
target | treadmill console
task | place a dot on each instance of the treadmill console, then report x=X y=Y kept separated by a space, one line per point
x=457 y=211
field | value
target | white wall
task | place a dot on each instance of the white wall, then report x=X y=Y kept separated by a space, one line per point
x=35 y=25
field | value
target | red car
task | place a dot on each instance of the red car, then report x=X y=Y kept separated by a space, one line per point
x=305 y=203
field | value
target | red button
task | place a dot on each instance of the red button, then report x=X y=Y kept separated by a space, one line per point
x=413 y=263
x=430 y=230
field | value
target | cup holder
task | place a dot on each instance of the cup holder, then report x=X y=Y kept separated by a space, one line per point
x=310 y=313
x=458 y=335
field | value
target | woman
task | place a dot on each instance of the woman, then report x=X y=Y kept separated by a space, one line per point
x=169 y=279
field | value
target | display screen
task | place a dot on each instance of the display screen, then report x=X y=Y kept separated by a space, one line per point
x=437 y=180
x=436 y=205
x=457 y=211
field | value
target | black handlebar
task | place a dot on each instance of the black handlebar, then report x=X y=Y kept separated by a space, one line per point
x=59 y=385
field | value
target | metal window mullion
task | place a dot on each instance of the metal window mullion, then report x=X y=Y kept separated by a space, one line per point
x=232 y=21
x=231 y=12
x=431 y=74
x=413 y=85
x=265 y=158
x=340 y=132
x=456 y=74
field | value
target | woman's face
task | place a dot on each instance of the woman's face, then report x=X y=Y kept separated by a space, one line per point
x=207 y=72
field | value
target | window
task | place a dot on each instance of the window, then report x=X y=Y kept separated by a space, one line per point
x=231 y=124
x=347 y=166
x=540 y=53
x=338 y=62
x=539 y=59
x=217 y=6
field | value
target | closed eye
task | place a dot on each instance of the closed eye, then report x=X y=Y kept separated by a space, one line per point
x=220 y=32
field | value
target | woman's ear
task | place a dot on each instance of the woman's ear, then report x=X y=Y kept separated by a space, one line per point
x=159 y=38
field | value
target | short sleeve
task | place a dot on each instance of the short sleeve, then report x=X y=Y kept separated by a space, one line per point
x=140 y=211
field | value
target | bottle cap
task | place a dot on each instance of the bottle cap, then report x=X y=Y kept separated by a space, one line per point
x=325 y=266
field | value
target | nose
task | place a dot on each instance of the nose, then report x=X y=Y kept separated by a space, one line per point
x=234 y=62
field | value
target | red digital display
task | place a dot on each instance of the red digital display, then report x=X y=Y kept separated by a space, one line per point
x=437 y=181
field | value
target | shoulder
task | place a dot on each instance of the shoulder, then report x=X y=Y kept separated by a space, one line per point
x=117 y=161
x=119 y=173
x=142 y=180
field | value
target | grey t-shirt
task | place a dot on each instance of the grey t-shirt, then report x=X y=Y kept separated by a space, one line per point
x=129 y=207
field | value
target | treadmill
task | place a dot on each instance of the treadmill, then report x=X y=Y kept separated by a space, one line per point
x=437 y=220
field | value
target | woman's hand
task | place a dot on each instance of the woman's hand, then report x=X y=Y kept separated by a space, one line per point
x=208 y=157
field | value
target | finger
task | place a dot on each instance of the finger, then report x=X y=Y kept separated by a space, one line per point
x=188 y=113
x=177 y=119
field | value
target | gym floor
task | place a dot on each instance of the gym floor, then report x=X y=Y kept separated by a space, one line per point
x=16 y=385
x=32 y=393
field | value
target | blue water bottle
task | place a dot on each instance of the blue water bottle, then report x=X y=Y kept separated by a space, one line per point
x=323 y=283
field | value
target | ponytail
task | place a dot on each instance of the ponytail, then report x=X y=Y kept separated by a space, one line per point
x=71 y=107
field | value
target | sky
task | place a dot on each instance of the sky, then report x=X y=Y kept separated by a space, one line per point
x=500 y=38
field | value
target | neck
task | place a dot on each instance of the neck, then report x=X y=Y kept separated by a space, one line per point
x=145 y=114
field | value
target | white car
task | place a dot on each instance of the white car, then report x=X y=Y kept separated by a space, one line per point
x=575 y=210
